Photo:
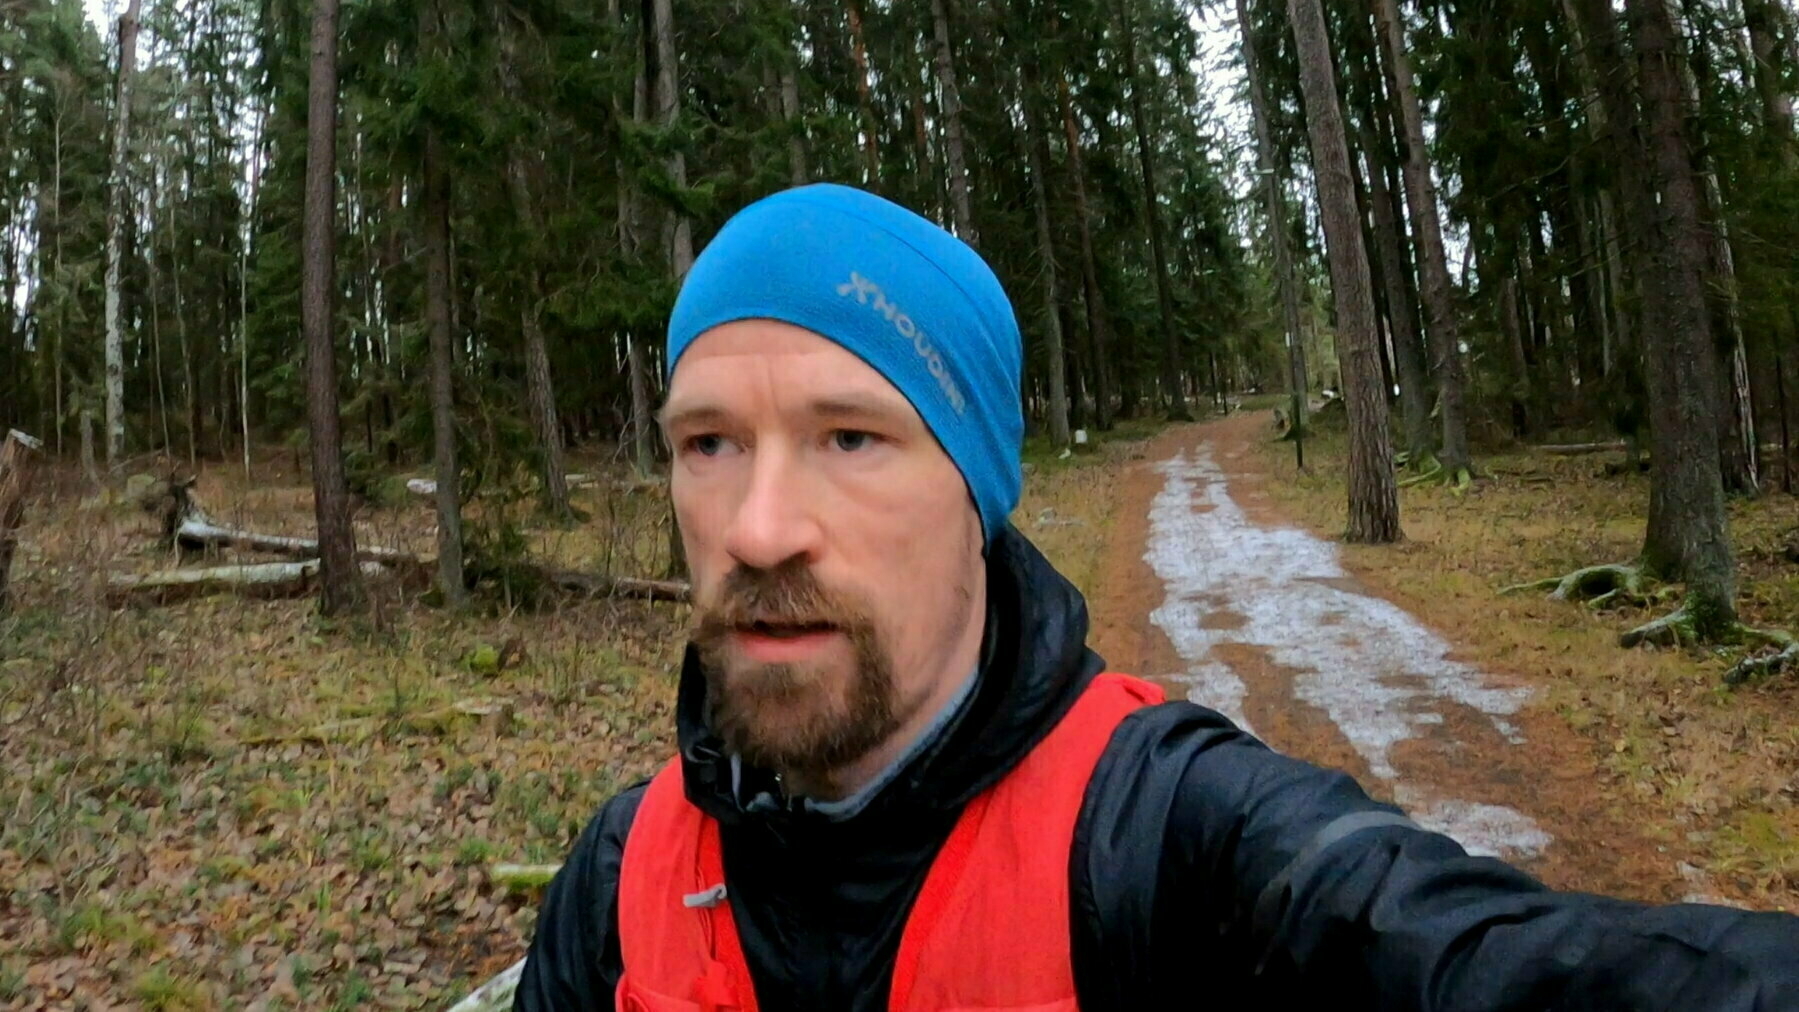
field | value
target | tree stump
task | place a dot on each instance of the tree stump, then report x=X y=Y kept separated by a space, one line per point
x=17 y=455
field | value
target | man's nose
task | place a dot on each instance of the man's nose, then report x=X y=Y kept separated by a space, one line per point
x=777 y=519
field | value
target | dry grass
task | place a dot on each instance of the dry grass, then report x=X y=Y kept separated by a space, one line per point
x=162 y=846
x=152 y=851
x=1715 y=771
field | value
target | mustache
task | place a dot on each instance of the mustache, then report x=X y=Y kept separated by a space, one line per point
x=785 y=595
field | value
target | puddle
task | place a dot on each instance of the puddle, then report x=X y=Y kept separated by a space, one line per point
x=1377 y=672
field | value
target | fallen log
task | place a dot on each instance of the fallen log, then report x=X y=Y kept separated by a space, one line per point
x=493 y=714
x=428 y=486
x=199 y=532
x=594 y=585
x=259 y=580
x=496 y=994
x=17 y=454
x=1577 y=449
x=186 y=524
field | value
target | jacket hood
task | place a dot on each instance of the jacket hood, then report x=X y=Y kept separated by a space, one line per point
x=1034 y=664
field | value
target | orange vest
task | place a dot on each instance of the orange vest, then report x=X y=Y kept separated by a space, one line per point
x=989 y=930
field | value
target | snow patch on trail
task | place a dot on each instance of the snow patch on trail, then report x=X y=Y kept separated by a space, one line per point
x=1380 y=675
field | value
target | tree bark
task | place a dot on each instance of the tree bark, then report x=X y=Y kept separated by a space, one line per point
x=118 y=210
x=1276 y=209
x=952 y=125
x=668 y=112
x=1055 y=362
x=1373 y=497
x=340 y=584
x=1098 y=322
x=790 y=111
x=1427 y=234
x=17 y=454
x=1686 y=538
x=540 y=390
x=1172 y=370
x=1389 y=253
x=1763 y=19
x=643 y=447
x=243 y=285
x=259 y=580
x=859 y=49
x=1736 y=436
x=436 y=207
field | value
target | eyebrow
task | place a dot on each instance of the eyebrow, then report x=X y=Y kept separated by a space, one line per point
x=709 y=415
x=854 y=407
x=848 y=407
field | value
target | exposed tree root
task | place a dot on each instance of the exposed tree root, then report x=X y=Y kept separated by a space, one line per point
x=1599 y=586
x=1430 y=471
x=1677 y=628
x=1782 y=655
x=1621 y=583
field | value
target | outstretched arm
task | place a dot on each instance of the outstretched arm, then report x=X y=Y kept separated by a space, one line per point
x=1296 y=886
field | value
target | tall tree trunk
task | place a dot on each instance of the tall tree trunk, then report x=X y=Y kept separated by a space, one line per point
x=952 y=124
x=668 y=112
x=1427 y=234
x=1617 y=280
x=790 y=111
x=540 y=390
x=1395 y=270
x=154 y=282
x=1276 y=209
x=243 y=280
x=643 y=447
x=118 y=211
x=1763 y=19
x=436 y=208
x=1055 y=362
x=390 y=262
x=340 y=581
x=870 y=132
x=1098 y=323
x=1737 y=443
x=1687 y=537
x=1172 y=367
x=1408 y=350
x=1373 y=497
x=188 y=389
x=1687 y=532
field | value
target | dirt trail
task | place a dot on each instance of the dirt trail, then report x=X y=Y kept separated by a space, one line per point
x=1208 y=589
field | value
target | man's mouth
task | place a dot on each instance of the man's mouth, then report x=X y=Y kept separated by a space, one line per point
x=783 y=642
x=786 y=630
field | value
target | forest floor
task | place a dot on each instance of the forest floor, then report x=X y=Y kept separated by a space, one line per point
x=1512 y=722
x=235 y=804
x=228 y=803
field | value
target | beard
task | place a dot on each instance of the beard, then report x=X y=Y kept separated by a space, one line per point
x=803 y=719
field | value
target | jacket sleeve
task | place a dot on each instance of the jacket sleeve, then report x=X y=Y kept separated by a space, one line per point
x=574 y=962
x=1285 y=882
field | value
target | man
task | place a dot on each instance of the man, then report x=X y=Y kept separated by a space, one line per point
x=904 y=781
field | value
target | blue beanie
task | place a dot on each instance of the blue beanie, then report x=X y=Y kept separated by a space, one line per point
x=914 y=302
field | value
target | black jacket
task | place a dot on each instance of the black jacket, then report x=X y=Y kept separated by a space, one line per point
x=1205 y=868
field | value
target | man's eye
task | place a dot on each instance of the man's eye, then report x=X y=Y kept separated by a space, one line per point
x=851 y=440
x=707 y=445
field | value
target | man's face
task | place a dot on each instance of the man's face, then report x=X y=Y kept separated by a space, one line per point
x=835 y=553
